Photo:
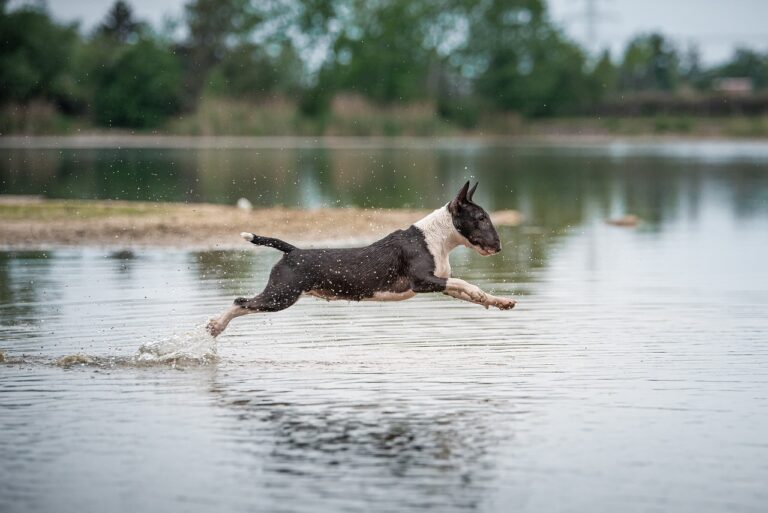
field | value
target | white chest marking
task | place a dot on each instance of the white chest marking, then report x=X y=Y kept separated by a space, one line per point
x=441 y=237
x=442 y=266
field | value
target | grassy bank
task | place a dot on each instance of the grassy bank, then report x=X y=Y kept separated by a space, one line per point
x=37 y=223
x=659 y=126
x=352 y=116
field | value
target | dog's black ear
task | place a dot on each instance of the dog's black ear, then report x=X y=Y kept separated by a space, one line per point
x=461 y=197
x=472 y=191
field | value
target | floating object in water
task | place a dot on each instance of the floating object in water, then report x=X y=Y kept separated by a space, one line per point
x=2 y=357
x=196 y=345
x=123 y=254
x=506 y=217
x=244 y=204
x=628 y=221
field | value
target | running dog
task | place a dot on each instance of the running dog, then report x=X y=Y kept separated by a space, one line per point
x=397 y=267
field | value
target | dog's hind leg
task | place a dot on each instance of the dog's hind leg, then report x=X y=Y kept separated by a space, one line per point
x=273 y=299
x=216 y=326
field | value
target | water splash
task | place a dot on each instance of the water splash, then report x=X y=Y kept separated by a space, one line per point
x=191 y=348
x=196 y=345
x=76 y=359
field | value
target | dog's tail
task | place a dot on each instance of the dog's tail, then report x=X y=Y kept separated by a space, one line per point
x=268 y=241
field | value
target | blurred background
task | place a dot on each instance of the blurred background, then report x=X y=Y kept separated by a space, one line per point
x=388 y=67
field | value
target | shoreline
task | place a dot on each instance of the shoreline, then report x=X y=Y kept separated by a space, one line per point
x=168 y=141
x=29 y=223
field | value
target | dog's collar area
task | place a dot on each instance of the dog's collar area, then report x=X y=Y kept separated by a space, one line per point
x=438 y=229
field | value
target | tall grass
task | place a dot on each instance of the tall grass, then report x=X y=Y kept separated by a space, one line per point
x=37 y=117
x=348 y=115
x=351 y=115
x=223 y=116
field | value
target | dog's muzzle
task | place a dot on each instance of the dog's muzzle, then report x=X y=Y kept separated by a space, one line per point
x=488 y=251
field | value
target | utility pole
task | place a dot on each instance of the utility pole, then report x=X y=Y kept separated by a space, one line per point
x=593 y=15
x=590 y=23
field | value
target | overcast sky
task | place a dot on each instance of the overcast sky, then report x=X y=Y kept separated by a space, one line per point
x=715 y=26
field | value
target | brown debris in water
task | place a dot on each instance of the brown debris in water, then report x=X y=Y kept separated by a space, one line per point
x=506 y=217
x=627 y=221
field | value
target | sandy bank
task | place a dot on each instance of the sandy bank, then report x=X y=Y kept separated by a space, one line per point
x=28 y=223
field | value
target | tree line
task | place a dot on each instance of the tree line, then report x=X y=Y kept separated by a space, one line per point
x=464 y=57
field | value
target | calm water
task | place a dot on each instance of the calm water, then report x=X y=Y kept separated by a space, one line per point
x=633 y=376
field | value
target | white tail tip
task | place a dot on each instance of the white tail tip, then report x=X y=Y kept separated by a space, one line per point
x=247 y=236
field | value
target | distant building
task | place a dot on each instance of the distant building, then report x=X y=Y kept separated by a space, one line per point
x=733 y=85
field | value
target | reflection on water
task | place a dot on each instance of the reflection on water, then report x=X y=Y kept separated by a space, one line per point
x=551 y=184
x=632 y=376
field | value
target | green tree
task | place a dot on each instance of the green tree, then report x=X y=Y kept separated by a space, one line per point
x=382 y=54
x=255 y=71
x=214 y=27
x=119 y=24
x=605 y=76
x=525 y=63
x=35 y=56
x=140 y=88
x=651 y=63
x=691 y=70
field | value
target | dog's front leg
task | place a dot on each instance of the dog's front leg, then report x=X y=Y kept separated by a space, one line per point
x=460 y=289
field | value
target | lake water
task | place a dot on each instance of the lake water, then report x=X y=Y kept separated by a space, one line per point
x=632 y=376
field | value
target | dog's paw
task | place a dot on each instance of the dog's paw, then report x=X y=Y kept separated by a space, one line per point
x=214 y=328
x=503 y=303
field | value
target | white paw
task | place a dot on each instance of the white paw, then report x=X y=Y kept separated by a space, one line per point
x=214 y=327
x=504 y=303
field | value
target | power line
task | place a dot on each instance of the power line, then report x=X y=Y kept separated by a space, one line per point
x=592 y=15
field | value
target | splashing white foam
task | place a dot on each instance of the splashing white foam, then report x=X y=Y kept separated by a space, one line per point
x=196 y=345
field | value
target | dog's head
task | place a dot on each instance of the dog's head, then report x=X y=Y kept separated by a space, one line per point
x=474 y=223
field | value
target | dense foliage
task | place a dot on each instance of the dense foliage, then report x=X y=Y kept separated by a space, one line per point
x=462 y=56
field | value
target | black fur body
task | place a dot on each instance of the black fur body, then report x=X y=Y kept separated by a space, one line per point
x=398 y=263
